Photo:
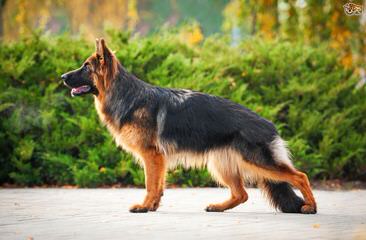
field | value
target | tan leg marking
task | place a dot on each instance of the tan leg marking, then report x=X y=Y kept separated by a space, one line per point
x=155 y=168
x=238 y=194
x=294 y=177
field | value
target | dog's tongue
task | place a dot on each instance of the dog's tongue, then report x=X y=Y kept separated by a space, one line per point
x=81 y=89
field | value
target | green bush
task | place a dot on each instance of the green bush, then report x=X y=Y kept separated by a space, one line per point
x=47 y=137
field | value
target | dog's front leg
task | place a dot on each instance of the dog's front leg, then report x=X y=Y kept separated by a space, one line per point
x=155 y=167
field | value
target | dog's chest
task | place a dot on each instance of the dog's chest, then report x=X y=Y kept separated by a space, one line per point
x=130 y=136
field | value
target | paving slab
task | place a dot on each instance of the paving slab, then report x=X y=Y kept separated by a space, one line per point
x=103 y=214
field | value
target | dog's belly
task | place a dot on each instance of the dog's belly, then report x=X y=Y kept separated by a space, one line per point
x=190 y=159
x=219 y=161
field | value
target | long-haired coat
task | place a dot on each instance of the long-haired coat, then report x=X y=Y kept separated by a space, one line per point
x=165 y=127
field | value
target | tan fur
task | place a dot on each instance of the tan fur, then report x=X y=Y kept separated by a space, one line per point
x=286 y=174
x=154 y=166
x=220 y=161
x=227 y=165
x=131 y=137
x=238 y=193
x=139 y=141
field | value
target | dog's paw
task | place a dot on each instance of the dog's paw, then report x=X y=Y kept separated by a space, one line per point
x=308 y=209
x=213 y=208
x=137 y=208
x=154 y=206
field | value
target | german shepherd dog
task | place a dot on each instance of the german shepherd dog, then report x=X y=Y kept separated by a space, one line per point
x=165 y=127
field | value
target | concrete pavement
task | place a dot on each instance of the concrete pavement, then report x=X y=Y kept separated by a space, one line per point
x=103 y=214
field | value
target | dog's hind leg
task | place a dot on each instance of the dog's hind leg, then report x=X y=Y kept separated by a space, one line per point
x=238 y=195
x=288 y=174
x=155 y=169
x=231 y=179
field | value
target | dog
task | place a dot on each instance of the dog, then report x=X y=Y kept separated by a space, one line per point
x=164 y=127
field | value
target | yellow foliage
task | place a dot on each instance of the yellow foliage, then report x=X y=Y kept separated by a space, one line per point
x=340 y=37
x=268 y=2
x=232 y=14
x=192 y=35
x=89 y=17
x=21 y=17
x=267 y=22
x=132 y=14
x=347 y=60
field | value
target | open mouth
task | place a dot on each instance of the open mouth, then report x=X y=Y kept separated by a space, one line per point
x=80 y=90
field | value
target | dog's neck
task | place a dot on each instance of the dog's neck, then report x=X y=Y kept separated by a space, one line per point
x=121 y=99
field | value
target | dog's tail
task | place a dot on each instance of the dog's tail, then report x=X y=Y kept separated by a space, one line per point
x=282 y=196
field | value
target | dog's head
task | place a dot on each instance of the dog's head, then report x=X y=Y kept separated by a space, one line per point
x=96 y=73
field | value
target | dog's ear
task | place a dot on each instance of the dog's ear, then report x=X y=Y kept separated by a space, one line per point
x=96 y=45
x=102 y=51
x=107 y=61
x=98 y=48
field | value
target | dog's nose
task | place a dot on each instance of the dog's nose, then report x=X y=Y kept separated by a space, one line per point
x=64 y=76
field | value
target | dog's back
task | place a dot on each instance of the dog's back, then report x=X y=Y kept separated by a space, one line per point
x=194 y=129
x=166 y=127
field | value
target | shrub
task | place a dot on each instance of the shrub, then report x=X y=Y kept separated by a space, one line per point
x=47 y=137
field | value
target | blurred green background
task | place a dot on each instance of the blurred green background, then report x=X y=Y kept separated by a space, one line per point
x=299 y=63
